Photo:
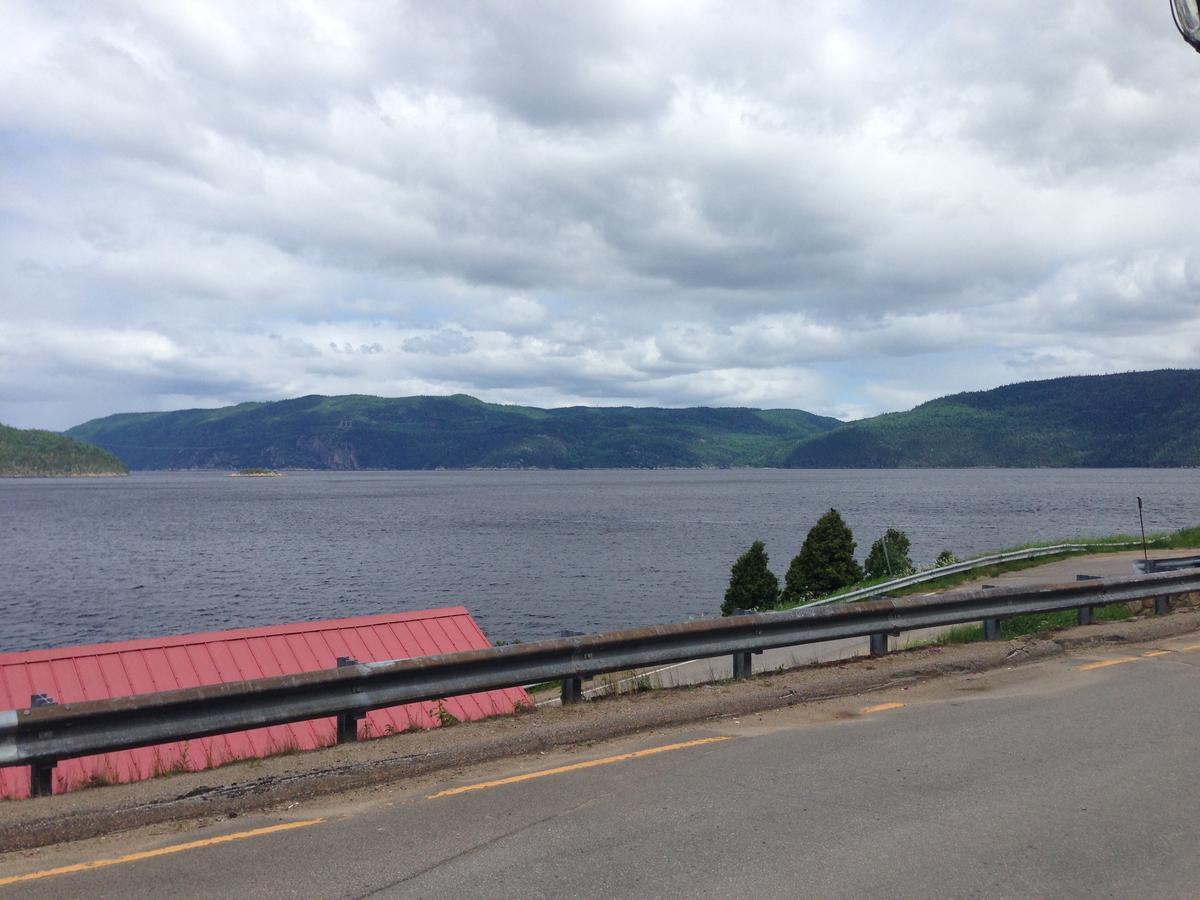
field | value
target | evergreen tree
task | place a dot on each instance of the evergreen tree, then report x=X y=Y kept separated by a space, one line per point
x=752 y=585
x=889 y=555
x=825 y=562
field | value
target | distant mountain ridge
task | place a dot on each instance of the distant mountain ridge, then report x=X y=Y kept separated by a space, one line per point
x=364 y=432
x=29 y=452
x=1131 y=419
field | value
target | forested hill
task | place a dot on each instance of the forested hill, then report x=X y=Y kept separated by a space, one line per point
x=361 y=432
x=29 y=452
x=1134 y=419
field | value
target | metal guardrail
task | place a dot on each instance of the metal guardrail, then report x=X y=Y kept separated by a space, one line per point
x=42 y=734
x=1165 y=564
x=965 y=565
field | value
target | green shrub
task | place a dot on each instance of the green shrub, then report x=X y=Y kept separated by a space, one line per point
x=945 y=558
x=889 y=556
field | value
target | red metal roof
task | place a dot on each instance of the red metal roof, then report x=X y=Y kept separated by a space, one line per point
x=101 y=671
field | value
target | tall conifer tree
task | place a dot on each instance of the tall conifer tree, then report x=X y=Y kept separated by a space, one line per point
x=752 y=584
x=825 y=562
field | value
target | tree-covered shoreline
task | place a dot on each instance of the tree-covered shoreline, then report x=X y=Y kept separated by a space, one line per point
x=1137 y=419
x=1133 y=419
x=31 y=453
x=457 y=432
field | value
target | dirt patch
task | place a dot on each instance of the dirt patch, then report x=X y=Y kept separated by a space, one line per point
x=260 y=784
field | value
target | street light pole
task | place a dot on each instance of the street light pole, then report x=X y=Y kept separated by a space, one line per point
x=1142 y=522
x=1187 y=20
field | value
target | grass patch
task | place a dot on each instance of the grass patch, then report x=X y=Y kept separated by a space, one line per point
x=1018 y=626
x=955 y=579
x=100 y=778
x=629 y=681
x=443 y=716
x=958 y=634
x=1033 y=623
x=1183 y=539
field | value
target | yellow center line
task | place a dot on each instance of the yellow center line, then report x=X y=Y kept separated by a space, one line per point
x=881 y=707
x=161 y=851
x=1108 y=662
x=591 y=763
x=1156 y=653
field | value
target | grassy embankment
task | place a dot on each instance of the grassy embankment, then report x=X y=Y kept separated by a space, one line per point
x=1018 y=626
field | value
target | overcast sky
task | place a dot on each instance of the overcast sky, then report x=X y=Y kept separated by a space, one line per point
x=841 y=207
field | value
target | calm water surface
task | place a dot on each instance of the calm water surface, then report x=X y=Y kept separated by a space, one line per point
x=529 y=553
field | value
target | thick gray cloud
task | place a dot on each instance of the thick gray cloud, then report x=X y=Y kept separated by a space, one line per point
x=822 y=206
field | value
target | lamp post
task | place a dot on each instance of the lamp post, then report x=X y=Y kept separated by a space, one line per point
x=1187 y=20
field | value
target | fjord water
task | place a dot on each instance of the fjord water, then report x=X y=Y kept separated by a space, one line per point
x=529 y=553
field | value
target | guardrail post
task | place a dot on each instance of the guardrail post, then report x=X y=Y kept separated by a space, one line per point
x=991 y=629
x=879 y=644
x=1162 y=605
x=572 y=689
x=41 y=774
x=347 y=722
x=41 y=779
x=742 y=666
x=1085 y=614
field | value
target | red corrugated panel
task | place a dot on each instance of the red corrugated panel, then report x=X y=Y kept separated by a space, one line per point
x=100 y=671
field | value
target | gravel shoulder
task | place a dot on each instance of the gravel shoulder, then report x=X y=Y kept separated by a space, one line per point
x=256 y=785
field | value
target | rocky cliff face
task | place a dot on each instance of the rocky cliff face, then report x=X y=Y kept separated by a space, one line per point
x=331 y=453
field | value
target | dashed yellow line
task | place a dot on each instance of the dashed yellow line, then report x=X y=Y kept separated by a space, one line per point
x=881 y=707
x=161 y=851
x=1108 y=662
x=591 y=763
x=1128 y=659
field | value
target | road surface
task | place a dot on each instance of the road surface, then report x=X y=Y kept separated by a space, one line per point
x=1069 y=777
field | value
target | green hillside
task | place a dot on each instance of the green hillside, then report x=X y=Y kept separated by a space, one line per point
x=1134 y=419
x=29 y=452
x=362 y=432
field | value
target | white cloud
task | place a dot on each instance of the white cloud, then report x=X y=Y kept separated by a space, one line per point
x=819 y=206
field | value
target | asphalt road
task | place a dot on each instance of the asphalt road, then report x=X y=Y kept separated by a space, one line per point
x=1063 y=778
